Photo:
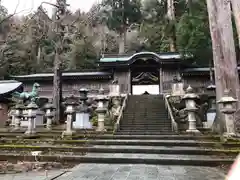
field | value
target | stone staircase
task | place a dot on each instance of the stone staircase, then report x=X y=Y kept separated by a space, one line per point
x=145 y=114
x=145 y=137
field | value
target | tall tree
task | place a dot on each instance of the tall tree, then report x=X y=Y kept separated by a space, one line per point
x=120 y=15
x=193 y=35
x=172 y=22
x=59 y=29
x=224 y=55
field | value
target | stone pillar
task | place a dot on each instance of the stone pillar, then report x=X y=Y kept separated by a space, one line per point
x=18 y=114
x=160 y=80
x=177 y=87
x=211 y=113
x=101 y=111
x=49 y=108
x=228 y=109
x=32 y=113
x=116 y=105
x=114 y=90
x=190 y=98
x=82 y=114
x=70 y=110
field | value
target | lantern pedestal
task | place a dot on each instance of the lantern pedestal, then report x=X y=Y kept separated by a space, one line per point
x=32 y=113
x=227 y=108
x=70 y=110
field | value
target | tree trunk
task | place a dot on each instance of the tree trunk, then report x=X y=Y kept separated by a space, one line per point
x=171 y=17
x=39 y=55
x=224 y=55
x=189 y=6
x=57 y=87
x=60 y=14
x=122 y=42
x=236 y=13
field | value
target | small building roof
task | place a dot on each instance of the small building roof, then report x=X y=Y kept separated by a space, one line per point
x=9 y=86
x=65 y=75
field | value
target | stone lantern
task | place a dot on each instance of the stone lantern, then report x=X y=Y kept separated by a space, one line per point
x=49 y=108
x=228 y=109
x=101 y=91
x=83 y=94
x=211 y=113
x=82 y=113
x=190 y=97
x=70 y=110
x=31 y=115
x=116 y=105
x=101 y=111
x=18 y=114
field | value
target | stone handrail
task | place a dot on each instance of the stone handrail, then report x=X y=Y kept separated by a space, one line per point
x=170 y=113
x=117 y=124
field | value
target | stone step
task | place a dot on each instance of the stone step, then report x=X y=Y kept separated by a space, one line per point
x=208 y=143
x=196 y=160
x=126 y=149
x=135 y=113
x=159 y=131
x=161 y=128
x=146 y=123
x=181 y=150
x=172 y=136
x=144 y=132
x=146 y=119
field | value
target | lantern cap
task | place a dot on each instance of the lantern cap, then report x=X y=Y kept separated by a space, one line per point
x=226 y=98
x=101 y=91
x=19 y=106
x=83 y=90
x=190 y=94
x=32 y=105
x=211 y=87
x=49 y=106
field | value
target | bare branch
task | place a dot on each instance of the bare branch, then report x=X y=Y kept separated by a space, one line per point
x=13 y=14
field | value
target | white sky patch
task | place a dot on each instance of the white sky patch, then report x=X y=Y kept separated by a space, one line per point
x=25 y=7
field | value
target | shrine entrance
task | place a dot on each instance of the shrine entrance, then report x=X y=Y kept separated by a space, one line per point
x=145 y=76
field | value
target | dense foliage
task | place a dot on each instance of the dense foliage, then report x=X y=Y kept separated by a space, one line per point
x=28 y=42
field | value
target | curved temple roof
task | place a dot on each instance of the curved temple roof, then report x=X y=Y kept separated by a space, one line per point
x=125 y=58
x=7 y=87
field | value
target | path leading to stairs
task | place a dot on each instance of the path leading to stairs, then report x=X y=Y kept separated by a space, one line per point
x=141 y=172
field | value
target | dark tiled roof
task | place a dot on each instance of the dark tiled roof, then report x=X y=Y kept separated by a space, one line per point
x=65 y=74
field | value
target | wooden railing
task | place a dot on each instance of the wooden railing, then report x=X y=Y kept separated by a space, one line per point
x=170 y=114
x=117 y=124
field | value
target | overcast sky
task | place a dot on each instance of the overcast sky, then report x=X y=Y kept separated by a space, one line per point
x=26 y=6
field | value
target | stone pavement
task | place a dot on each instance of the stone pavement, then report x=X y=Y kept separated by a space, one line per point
x=141 y=172
x=33 y=175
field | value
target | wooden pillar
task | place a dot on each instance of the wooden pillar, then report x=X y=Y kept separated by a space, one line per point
x=160 y=80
